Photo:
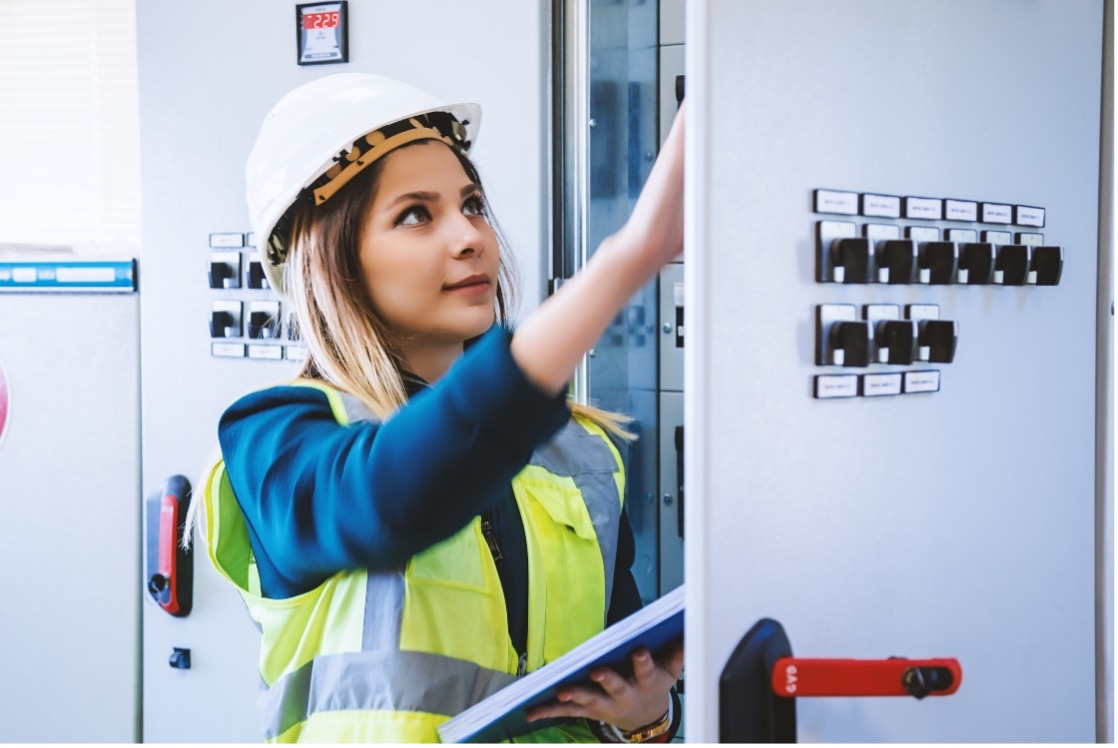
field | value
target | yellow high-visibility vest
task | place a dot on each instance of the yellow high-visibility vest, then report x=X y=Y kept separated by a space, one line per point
x=389 y=656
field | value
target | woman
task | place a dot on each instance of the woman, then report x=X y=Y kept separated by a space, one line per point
x=413 y=524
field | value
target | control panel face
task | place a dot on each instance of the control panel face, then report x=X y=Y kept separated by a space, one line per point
x=894 y=309
x=247 y=319
x=865 y=238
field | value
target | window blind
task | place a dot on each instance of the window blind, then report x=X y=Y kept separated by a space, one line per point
x=69 y=123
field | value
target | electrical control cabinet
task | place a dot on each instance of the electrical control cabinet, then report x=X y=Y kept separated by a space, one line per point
x=212 y=329
x=894 y=307
x=70 y=576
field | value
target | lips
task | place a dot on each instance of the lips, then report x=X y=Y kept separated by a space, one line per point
x=468 y=281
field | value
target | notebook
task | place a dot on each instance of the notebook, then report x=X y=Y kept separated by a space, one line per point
x=502 y=715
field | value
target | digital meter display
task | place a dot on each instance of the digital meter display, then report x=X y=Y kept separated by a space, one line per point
x=320 y=21
x=321 y=33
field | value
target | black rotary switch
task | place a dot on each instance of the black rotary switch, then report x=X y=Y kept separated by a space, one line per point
x=978 y=262
x=899 y=338
x=853 y=256
x=898 y=258
x=940 y=260
x=939 y=337
x=261 y=325
x=1013 y=264
x=256 y=277
x=853 y=339
x=222 y=325
x=221 y=275
x=1048 y=264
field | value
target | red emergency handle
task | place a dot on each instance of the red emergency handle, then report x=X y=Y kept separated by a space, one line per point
x=897 y=676
x=170 y=567
x=168 y=547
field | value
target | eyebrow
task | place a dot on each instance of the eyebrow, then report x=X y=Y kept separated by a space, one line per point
x=431 y=197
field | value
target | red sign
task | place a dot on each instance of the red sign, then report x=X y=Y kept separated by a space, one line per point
x=3 y=402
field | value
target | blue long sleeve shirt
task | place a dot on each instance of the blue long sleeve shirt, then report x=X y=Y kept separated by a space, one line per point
x=319 y=498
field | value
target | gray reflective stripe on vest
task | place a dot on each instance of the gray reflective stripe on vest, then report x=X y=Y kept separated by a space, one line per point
x=390 y=681
x=589 y=462
x=355 y=409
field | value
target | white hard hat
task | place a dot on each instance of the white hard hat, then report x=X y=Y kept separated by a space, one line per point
x=338 y=124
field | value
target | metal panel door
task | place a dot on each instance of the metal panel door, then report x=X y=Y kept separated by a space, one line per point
x=956 y=523
x=70 y=528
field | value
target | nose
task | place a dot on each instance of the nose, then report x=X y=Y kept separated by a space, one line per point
x=466 y=238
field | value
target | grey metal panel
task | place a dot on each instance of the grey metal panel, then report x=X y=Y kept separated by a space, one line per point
x=671 y=535
x=70 y=533
x=955 y=524
x=671 y=65
x=200 y=112
x=1104 y=512
x=621 y=90
x=671 y=354
x=672 y=15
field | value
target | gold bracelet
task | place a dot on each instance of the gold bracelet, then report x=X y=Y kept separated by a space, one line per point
x=654 y=730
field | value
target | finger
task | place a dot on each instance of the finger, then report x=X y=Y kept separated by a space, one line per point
x=644 y=668
x=583 y=697
x=554 y=711
x=674 y=662
x=612 y=683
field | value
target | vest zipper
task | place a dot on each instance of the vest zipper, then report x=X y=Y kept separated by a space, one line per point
x=490 y=536
x=491 y=540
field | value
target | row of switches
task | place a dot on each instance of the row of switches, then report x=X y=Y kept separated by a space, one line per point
x=262 y=321
x=225 y=271
x=881 y=337
x=904 y=261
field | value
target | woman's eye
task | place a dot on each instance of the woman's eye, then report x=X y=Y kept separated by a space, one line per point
x=413 y=216
x=473 y=206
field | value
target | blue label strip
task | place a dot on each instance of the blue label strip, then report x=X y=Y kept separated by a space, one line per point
x=115 y=275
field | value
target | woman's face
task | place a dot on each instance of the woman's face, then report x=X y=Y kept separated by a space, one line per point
x=428 y=255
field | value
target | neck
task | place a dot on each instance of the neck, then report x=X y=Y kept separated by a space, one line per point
x=428 y=359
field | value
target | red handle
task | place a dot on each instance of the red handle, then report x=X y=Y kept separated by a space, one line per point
x=168 y=555
x=793 y=676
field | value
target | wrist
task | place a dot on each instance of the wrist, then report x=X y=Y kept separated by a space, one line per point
x=643 y=734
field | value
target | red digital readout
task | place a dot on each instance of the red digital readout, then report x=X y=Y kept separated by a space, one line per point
x=320 y=20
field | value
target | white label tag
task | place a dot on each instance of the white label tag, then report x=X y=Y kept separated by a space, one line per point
x=961 y=210
x=227 y=240
x=876 y=385
x=997 y=237
x=677 y=294
x=836 y=385
x=296 y=353
x=228 y=350
x=882 y=231
x=996 y=213
x=921 y=381
x=962 y=235
x=923 y=233
x=922 y=311
x=1027 y=216
x=831 y=201
x=1034 y=239
x=928 y=208
x=85 y=275
x=269 y=352
x=881 y=206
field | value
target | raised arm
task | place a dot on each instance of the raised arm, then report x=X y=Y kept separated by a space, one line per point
x=551 y=342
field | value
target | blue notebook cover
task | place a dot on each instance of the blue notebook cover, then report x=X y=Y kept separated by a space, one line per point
x=502 y=715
